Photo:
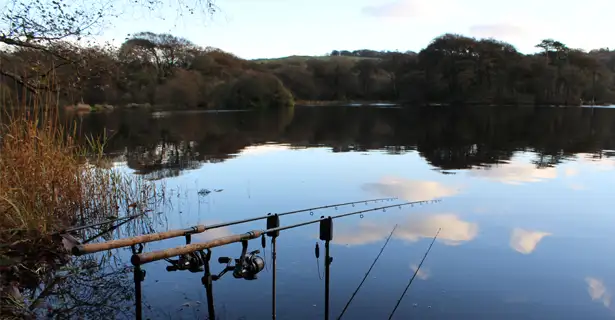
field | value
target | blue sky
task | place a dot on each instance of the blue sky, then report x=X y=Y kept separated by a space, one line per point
x=274 y=28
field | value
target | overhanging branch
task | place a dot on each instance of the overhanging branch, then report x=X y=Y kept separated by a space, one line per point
x=30 y=87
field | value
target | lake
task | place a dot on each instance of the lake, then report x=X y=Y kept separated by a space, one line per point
x=526 y=215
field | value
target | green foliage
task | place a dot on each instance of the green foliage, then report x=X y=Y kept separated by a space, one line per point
x=257 y=91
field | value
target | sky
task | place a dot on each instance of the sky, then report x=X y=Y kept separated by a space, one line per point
x=254 y=29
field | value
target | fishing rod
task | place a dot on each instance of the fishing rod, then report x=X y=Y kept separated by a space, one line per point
x=126 y=242
x=110 y=229
x=191 y=256
x=367 y=273
x=71 y=242
x=415 y=273
x=144 y=258
x=99 y=223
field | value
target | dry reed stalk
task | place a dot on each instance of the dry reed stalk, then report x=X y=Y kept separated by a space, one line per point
x=49 y=181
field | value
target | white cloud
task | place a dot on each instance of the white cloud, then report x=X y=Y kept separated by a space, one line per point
x=392 y=9
x=410 y=190
x=412 y=9
x=515 y=173
x=454 y=231
x=496 y=30
x=598 y=291
x=525 y=241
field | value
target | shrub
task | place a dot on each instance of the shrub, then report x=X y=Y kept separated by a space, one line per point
x=257 y=91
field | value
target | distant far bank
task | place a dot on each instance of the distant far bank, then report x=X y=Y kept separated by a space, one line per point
x=316 y=103
x=301 y=59
x=451 y=70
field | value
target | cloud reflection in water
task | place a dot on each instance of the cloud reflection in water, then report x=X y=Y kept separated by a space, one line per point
x=213 y=233
x=515 y=173
x=598 y=291
x=525 y=241
x=423 y=273
x=454 y=230
x=410 y=190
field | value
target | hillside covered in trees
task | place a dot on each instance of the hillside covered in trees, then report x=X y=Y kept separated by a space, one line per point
x=162 y=69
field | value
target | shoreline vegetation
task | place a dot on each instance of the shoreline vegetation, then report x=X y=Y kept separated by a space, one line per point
x=51 y=179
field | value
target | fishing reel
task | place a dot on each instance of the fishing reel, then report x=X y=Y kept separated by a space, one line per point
x=246 y=267
x=193 y=261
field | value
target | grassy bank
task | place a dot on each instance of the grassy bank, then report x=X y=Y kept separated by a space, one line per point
x=50 y=182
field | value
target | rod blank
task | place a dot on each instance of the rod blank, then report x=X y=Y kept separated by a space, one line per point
x=126 y=242
x=143 y=258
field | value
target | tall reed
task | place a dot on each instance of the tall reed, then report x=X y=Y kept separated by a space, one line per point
x=52 y=179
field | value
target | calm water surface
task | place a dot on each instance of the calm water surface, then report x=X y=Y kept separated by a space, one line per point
x=526 y=218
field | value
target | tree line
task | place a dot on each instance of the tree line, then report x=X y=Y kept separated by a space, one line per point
x=162 y=69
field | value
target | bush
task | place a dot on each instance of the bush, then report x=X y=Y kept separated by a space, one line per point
x=184 y=88
x=257 y=91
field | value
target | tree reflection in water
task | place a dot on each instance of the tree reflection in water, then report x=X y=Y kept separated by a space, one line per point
x=447 y=137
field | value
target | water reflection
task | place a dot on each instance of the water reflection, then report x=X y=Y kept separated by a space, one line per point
x=213 y=233
x=598 y=291
x=525 y=241
x=517 y=231
x=571 y=172
x=261 y=149
x=598 y=162
x=448 y=138
x=422 y=273
x=415 y=227
x=410 y=190
x=515 y=173
x=88 y=289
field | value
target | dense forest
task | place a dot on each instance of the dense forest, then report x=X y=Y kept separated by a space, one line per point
x=162 y=69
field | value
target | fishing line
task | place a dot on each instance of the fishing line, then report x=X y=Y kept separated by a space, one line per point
x=414 y=275
x=367 y=274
